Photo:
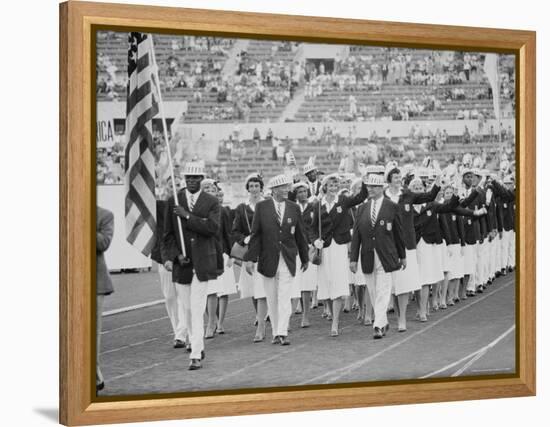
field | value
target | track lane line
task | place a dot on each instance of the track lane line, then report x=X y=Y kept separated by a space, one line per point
x=334 y=376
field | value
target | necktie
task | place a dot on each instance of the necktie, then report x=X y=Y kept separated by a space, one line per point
x=373 y=213
x=191 y=202
x=279 y=217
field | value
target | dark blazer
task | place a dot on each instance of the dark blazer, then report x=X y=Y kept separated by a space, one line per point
x=242 y=223
x=307 y=216
x=406 y=201
x=507 y=205
x=337 y=223
x=199 y=235
x=386 y=237
x=155 y=253
x=426 y=223
x=105 y=228
x=452 y=229
x=472 y=233
x=269 y=239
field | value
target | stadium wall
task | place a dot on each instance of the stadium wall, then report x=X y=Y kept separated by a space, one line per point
x=108 y=111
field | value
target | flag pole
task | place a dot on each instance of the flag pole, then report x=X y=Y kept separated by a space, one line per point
x=165 y=133
x=498 y=101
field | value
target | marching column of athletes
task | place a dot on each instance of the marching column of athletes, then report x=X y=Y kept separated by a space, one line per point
x=373 y=243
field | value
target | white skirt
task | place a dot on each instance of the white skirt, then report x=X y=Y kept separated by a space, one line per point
x=430 y=264
x=407 y=280
x=454 y=261
x=307 y=280
x=444 y=257
x=227 y=279
x=470 y=256
x=333 y=272
x=213 y=287
x=251 y=286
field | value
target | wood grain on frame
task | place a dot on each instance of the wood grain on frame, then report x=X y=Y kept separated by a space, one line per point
x=78 y=405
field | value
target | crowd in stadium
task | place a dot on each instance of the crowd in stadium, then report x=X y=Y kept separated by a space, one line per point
x=268 y=81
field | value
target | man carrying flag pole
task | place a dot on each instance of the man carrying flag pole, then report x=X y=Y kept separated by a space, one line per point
x=198 y=214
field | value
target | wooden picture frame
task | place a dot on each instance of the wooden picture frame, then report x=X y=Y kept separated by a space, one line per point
x=78 y=403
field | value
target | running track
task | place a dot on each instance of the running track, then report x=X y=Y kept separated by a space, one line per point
x=475 y=337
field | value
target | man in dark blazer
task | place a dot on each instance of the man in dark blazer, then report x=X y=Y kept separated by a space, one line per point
x=378 y=237
x=199 y=214
x=278 y=238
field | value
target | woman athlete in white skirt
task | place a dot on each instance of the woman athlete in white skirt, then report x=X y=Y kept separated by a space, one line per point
x=335 y=236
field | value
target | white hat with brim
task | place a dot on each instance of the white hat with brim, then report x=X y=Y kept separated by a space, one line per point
x=375 y=180
x=278 y=181
x=252 y=176
x=378 y=169
x=308 y=167
x=477 y=172
x=508 y=180
x=194 y=168
x=329 y=177
x=466 y=171
x=298 y=185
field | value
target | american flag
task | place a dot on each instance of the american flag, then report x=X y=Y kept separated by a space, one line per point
x=141 y=107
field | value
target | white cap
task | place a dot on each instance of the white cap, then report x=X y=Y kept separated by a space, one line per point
x=508 y=179
x=309 y=166
x=414 y=181
x=299 y=184
x=330 y=176
x=379 y=169
x=466 y=170
x=477 y=171
x=375 y=180
x=279 y=180
x=194 y=168
x=251 y=176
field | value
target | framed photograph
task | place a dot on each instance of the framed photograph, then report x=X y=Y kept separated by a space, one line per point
x=268 y=213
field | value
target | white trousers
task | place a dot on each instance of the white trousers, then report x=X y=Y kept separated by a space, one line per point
x=481 y=262
x=379 y=284
x=512 y=248
x=278 y=291
x=174 y=310
x=497 y=257
x=193 y=300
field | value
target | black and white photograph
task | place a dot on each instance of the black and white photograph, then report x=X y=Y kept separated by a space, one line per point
x=278 y=213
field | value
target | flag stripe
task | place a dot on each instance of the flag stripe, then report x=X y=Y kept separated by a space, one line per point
x=141 y=107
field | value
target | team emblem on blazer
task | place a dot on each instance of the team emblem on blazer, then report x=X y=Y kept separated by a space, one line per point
x=429 y=213
x=292 y=229
x=505 y=205
x=388 y=226
x=382 y=222
x=311 y=214
x=289 y=220
x=407 y=207
x=339 y=209
x=469 y=222
x=454 y=217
